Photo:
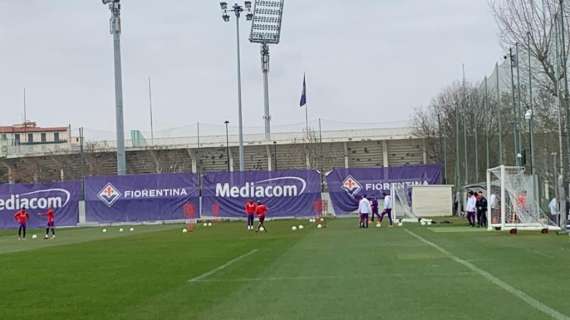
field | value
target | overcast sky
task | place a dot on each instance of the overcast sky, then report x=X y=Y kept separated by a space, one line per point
x=366 y=60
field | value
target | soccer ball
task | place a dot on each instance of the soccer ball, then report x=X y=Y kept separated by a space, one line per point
x=104 y=230
x=301 y=227
x=400 y=224
x=184 y=230
x=121 y=230
x=209 y=224
x=34 y=236
x=423 y=223
x=205 y=224
x=378 y=225
x=294 y=228
x=262 y=229
x=319 y=226
x=132 y=229
x=322 y=219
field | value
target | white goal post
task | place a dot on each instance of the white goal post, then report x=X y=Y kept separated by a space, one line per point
x=402 y=209
x=512 y=201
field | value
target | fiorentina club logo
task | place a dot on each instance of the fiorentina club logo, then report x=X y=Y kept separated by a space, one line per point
x=351 y=186
x=109 y=194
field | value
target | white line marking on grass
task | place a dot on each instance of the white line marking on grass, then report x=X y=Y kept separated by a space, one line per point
x=273 y=279
x=222 y=267
x=498 y=282
x=325 y=277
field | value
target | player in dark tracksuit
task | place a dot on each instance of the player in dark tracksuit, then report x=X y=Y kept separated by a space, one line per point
x=481 y=210
x=374 y=205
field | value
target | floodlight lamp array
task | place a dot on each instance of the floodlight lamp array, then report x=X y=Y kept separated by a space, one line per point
x=267 y=19
x=237 y=9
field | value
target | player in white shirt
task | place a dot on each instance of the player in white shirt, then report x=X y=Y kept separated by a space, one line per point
x=471 y=208
x=364 y=209
x=387 y=208
x=554 y=212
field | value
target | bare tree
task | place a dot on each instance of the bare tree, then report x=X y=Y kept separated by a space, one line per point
x=533 y=26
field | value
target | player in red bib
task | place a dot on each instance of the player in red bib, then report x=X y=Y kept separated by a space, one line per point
x=261 y=211
x=50 y=214
x=250 y=209
x=22 y=218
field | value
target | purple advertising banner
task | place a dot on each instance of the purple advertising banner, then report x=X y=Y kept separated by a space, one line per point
x=346 y=186
x=291 y=193
x=63 y=197
x=138 y=198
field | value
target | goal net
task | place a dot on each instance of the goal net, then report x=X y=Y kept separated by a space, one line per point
x=402 y=203
x=513 y=201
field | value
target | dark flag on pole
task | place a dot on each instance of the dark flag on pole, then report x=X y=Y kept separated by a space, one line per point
x=304 y=94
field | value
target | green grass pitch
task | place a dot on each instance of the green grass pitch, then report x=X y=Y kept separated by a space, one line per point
x=341 y=272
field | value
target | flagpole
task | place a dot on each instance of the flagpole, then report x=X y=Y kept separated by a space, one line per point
x=307 y=120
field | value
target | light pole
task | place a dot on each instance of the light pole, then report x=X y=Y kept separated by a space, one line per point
x=265 y=30
x=441 y=147
x=528 y=116
x=518 y=155
x=237 y=10
x=115 y=7
x=275 y=155
x=531 y=108
x=227 y=143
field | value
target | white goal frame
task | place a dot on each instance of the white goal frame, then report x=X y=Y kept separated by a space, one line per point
x=542 y=222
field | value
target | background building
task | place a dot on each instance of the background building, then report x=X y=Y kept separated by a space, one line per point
x=320 y=151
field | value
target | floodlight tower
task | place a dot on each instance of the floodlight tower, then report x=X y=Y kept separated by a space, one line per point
x=115 y=7
x=237 y=10
x=265 y=30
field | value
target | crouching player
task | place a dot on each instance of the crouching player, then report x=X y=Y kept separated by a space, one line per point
x=22 y=217
x=50 y=214
x=250 y=209
x=261 y=211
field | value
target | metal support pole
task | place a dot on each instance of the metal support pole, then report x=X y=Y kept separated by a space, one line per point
x=241 y=148
x=197 y=154
x=519 y=103
x=531 y=108
x=442 y=153
x=499 y=116
x=265 y=69
x=560 y=186
x=115 y=21
x=82 y=164
x=320 y=146
x=515 y=116
x=476 y=134
x=307 y=122
x=457 y=164
x=487 y=111
x=466 y=177
x=228 y=144
x=564 y=64
x=150 y=109
x=275 y=155
x=445 y=159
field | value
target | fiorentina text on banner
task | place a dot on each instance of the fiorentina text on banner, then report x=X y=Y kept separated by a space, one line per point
x=139 y=198
x=346 y=186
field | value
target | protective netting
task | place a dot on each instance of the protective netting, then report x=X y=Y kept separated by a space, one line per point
x=402 y=203
x=513 y=200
